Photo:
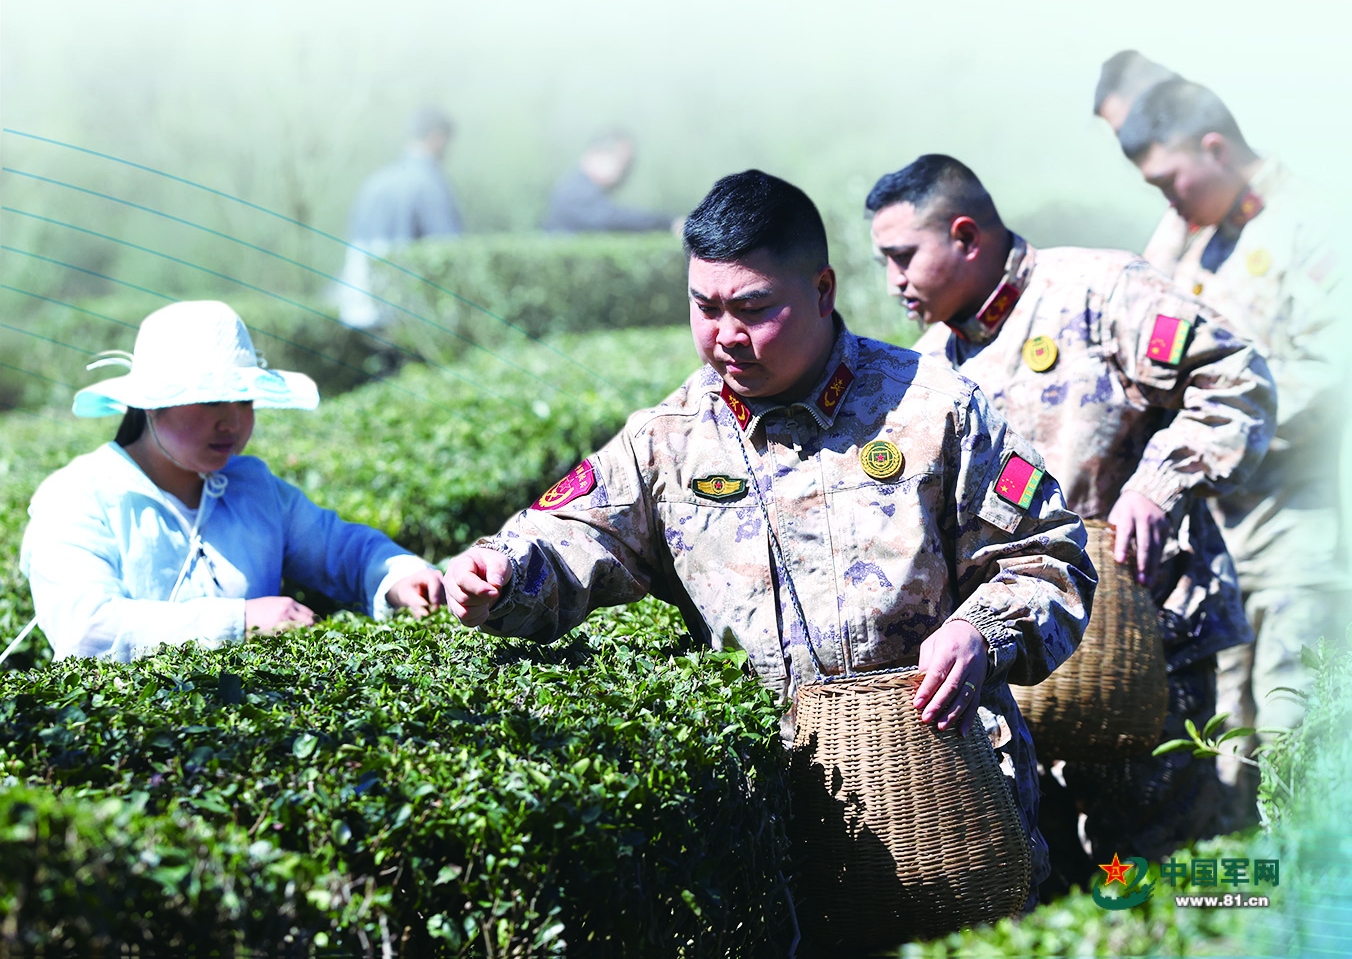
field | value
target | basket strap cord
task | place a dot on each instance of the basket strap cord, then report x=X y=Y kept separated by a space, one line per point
x=779 y=560
x=783 y=570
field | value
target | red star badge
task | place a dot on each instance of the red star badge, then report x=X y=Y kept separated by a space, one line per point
x=1116 y=870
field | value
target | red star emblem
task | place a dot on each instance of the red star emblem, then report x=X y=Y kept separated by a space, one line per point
x=1116 y=870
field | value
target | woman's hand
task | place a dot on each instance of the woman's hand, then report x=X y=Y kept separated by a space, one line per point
x=953 y=660
x=270 y=614
x=420 y=592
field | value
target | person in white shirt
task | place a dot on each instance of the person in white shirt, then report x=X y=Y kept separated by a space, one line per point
x=168 y=534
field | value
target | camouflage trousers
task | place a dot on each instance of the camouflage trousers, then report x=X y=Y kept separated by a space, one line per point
x=1146 y=806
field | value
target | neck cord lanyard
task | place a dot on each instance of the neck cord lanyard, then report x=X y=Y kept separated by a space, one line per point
x=783 y=568
x=213 y=486
x=779 y=559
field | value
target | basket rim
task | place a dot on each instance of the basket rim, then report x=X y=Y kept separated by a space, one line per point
x=846 y=684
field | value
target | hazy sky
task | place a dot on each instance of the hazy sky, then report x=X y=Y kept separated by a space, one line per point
x=292 y=102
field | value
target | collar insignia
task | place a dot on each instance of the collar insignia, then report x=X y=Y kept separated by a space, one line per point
x=999 y=306
x=835 y=390
x=1246 y=208
x=982 y=327
x=740 y=411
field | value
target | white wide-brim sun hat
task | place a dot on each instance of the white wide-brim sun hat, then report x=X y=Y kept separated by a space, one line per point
x=198 y=351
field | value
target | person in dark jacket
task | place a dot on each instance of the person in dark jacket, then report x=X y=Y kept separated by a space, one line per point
x=581 y=200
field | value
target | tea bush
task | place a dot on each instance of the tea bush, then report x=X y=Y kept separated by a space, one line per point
x=42 y=368
x=410 y=784
x=320 y=786
x=540 y=283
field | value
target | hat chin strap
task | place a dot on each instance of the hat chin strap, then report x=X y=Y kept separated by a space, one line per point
x=213 y=485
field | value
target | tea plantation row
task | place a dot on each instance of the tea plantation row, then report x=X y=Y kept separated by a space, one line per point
x=404 y=784
x=409 y=786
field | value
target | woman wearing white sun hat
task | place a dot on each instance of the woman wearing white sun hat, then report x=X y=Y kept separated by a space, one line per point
x=167 y=534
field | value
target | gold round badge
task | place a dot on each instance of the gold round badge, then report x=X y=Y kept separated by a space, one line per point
x=1040 y=353
x=1260 y=261
x=1197 y=289
x=881 y=460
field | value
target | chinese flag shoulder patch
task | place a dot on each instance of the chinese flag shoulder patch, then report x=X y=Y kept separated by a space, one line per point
x=1018 y=481
x=580 y=481
x=1168 y=340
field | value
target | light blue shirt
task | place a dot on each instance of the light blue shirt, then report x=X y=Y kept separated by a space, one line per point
x=402 y=202
x=116 y=568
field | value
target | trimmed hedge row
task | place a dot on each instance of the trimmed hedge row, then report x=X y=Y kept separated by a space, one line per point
x=539 y=283
x=84 y=870
x=411 y=784
x=338 y=358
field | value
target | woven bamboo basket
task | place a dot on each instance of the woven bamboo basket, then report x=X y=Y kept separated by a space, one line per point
x=1108 y=701
x=903 y=831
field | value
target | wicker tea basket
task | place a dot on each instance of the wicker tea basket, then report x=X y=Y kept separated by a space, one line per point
x=904 y=831
x=1109 y=700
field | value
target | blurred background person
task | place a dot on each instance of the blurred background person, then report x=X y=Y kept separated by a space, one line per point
x=1252 y=240
x=403 y=201
x=1123 y=77
x=581 y=199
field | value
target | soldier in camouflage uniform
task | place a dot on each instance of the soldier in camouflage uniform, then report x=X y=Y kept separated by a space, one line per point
x=876 y=469
x=1123 y=77
x=1250 y=239
x=1143 y=403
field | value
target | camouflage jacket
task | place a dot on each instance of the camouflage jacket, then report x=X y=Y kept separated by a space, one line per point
x=1123 y=384
x=1271 y=269
x=879 y=558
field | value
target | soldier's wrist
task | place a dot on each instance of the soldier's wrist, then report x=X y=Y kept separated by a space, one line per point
x=508 y=593
x=1164 y=490
x=998 y=638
